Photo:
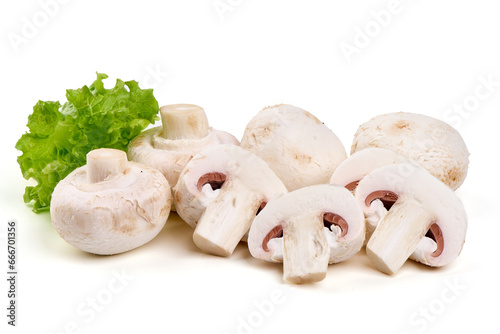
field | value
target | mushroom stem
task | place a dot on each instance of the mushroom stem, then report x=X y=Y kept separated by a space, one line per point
x=226 y=219
x=183 y=121
x=398 y=234
x=305 y=249
x=105 y=162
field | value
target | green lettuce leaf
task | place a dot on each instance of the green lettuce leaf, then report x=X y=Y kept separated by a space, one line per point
x=60 y=136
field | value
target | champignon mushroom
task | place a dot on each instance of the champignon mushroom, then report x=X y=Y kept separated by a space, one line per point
x=184 y=132
x=431 y=143
x=219 y=193
x=298 y=147
x=356 y=167
x=424 y=206
x=306 y=229
x=110 y=205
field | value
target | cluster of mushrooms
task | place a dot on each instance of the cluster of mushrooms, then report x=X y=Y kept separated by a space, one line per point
x=288 y=189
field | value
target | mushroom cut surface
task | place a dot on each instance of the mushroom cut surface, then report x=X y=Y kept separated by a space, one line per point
x=307 y=229
x=426 y=222
x=220 y=192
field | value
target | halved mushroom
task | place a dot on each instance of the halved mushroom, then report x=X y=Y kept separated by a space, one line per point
x=219 y=193
x=356 y=167
x=306 y=229
x=298 y=147
x=431 y=143
x=110 y=205
x=424 y=206
x=184 y=133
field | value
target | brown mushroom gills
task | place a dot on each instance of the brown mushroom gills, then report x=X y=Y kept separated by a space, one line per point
x=388 y=198
x=276 y=232
x=215 y=179
x=261 y=207
x=351 y=186
x=436 y=234
x=329 y=219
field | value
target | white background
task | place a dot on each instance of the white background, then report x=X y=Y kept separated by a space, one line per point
x=428 y=57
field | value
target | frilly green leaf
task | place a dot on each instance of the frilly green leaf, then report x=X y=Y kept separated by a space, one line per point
x=60 y=136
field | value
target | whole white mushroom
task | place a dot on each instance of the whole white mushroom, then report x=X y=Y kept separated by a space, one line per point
x=297 y=146
x=110 y=205
x=184 y=133
x=431 y=143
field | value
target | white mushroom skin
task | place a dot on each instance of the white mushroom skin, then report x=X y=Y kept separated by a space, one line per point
x=431 y=143
x=306 y=229
x=219 y=193
x=184 y=133
x=298 y=147
x=424 y=206
x=110 y=206
x=356 y=167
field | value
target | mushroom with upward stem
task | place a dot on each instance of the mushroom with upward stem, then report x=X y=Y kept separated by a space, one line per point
x=306 y=229
x=219 y=193
x=184 y=133
x=424 y=206
x=110 y=205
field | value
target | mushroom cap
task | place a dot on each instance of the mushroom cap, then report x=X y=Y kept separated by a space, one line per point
x=410 y=181
x=298 y=147
x=431 y=143
x=113 y=216
x=317 y=199
x=192 y=197
x=170 y=156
